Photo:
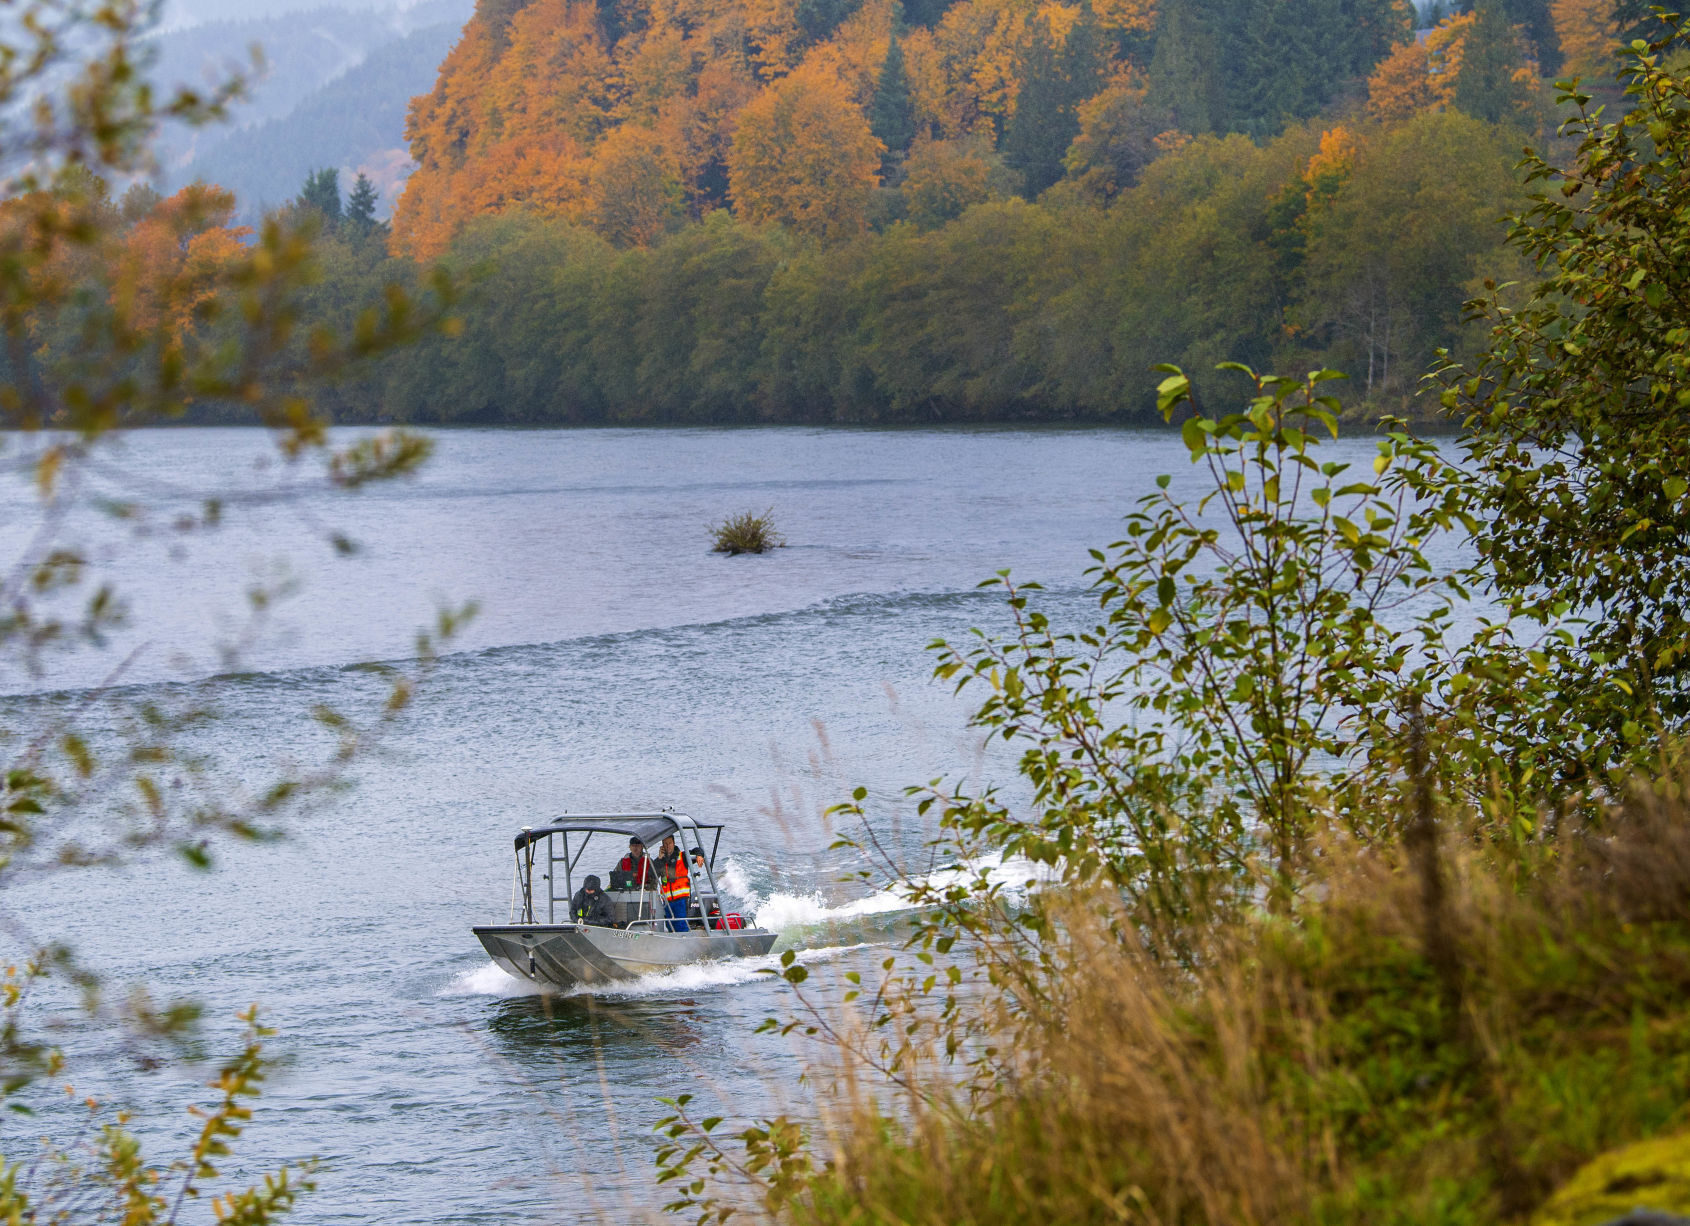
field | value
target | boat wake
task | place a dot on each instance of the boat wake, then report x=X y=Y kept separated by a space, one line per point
x=781 y=912
x=489 y=980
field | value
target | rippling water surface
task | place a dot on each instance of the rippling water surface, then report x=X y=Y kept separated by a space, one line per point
x=616 y=664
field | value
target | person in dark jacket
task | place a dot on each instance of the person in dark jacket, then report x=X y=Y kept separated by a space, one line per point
x=590 y=906
x=642 y=874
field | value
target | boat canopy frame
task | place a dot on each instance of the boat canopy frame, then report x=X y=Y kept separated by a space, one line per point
x=649 y=828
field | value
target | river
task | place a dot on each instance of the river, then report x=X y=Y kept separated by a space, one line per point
x=615 y=664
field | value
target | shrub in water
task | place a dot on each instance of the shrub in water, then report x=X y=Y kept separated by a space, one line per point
x=747 y=532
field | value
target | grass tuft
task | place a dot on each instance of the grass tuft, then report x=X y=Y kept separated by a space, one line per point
x=747 y=532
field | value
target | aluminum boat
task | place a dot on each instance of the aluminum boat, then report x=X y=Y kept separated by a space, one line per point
x=542 y=945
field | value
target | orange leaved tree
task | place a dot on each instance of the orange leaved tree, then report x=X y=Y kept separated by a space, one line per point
x=1420 y=76
x=803 y=156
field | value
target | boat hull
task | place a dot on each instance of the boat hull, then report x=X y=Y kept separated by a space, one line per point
x=571 y=955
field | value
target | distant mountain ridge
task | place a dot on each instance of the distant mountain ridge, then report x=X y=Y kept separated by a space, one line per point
x=333 y=92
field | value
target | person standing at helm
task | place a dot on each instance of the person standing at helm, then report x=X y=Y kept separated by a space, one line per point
x=640 y=875
x=674 y=883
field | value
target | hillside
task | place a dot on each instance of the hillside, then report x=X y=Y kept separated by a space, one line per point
x=366 y=54
x=354 y=122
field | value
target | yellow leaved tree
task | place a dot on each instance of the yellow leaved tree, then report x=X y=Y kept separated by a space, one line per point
x=803 y=156
x=1421 y=75
x=1589 y=38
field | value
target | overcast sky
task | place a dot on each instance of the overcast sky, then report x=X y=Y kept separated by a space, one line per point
x=183 y=12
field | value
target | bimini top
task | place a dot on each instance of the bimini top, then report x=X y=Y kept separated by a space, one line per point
x=649 y=828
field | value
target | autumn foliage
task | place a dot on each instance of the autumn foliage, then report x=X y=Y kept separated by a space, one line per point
x=1420 y=75
x=803 y=154
x=632 y=116
x=635 y=117
x=173 y=260
x=156 y=265
x=1589 y=37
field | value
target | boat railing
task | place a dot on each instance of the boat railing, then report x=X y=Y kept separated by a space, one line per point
x=561 y=860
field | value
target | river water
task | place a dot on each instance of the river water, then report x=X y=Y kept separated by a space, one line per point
x=616 y=664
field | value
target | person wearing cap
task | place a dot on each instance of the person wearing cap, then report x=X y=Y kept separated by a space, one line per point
x=638 y=866
x=590 y=906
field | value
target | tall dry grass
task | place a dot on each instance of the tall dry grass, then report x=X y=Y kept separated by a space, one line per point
x=1384 y=1053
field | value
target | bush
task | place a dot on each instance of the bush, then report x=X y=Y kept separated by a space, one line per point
x=747 y=532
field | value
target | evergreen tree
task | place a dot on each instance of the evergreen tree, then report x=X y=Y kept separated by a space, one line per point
x=1486 y=88
x=321 y=195
x=611 y=23
x=1054 y=81
x=1183 y=81
x=1534 y=20
x=818 y=19
x=891 y=115
x=496 y=15
x=138 y=202
x=1245 y=66
x=925 y=13
x=361 y=205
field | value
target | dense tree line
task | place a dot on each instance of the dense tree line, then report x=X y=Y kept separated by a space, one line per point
x=862 y=210
x=1351 y=246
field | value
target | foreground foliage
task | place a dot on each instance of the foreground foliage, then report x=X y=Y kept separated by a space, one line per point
x=117 y=314
x=1341 y=895
x=1345 y=1067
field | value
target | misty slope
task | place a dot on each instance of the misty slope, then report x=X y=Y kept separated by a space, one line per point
x=196 y=12
x=302 y=51
x=354 y=122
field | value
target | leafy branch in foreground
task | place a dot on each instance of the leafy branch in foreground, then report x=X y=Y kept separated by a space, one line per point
x=1187 y=746
x=105 y=1176
x=116 y=315
x=1576 y=416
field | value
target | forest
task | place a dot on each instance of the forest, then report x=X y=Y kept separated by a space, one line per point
x=827 y=210
x=730 y=211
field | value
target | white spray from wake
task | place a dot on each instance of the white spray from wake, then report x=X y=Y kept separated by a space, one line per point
x=781 y=911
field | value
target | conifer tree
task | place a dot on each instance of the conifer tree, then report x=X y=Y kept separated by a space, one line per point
x=361 y=205
x=1242 y=66
x=321 y=195
x=1182 y=80
x=891 y=115
x=496 y=15
x=1487 y=87
x=1054 y=81
x=1536 y=22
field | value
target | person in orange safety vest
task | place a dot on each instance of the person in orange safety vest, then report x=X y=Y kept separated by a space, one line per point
x=674 y=883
